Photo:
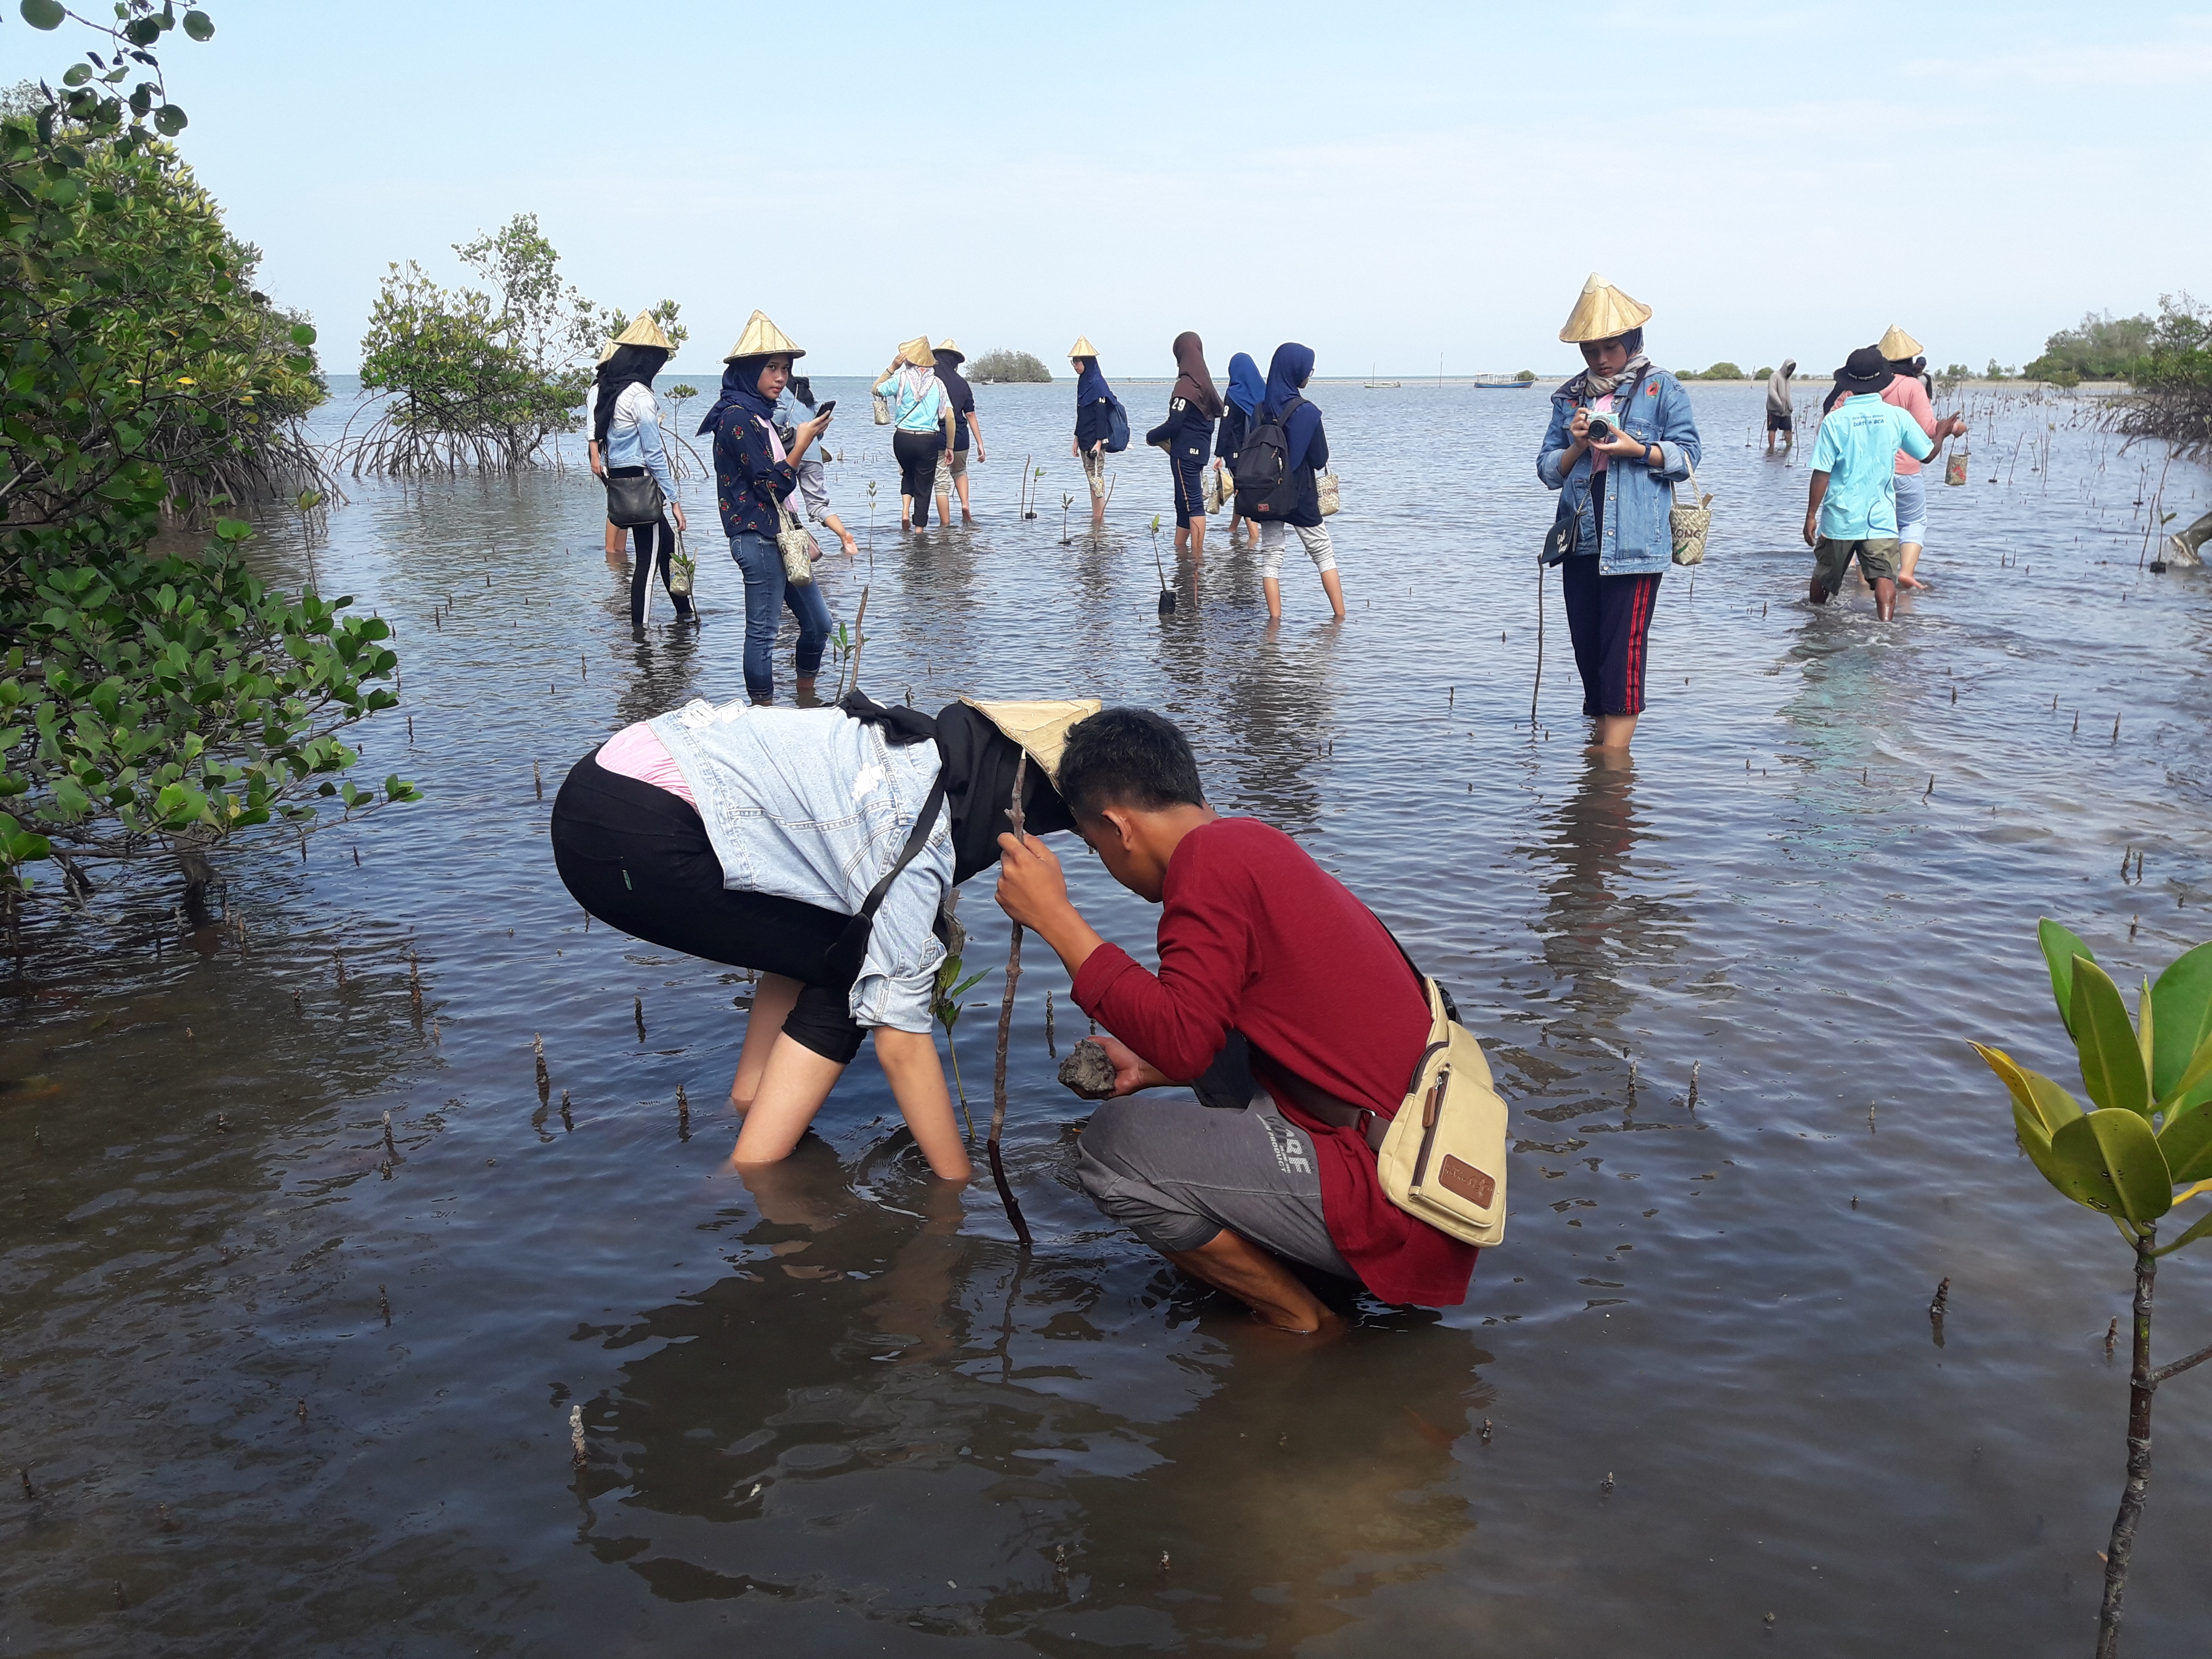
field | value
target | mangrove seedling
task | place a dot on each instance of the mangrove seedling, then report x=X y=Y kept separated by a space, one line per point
x=1167 y=593
x=1014 y=816
x=2148 y=1131
x=950 y=988
x=1067 y=503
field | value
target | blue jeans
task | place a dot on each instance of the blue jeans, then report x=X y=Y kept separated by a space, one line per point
x=767 y=594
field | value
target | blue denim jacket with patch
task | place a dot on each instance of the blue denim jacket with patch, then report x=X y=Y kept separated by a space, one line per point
x=814 y=805
x=1638 y=539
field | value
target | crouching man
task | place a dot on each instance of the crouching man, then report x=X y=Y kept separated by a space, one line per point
x=1281 y=1001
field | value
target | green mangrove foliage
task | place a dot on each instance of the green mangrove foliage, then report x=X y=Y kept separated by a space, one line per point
x=153 y=702
x=2100 y=348
x=480 y=377
x=2171 y=401
x=2146 y=1132
x=1004 y=365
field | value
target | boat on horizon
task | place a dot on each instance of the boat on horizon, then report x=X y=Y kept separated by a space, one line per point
x=1503 y=385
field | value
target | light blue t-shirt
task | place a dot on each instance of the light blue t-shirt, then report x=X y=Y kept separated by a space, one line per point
x=1857 y=449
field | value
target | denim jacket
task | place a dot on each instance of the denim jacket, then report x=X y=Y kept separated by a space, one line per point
x=813 y=805
x=634 y=435
x=1638 y=539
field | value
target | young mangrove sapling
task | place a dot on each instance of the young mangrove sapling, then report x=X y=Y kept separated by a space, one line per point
x=1006 y=1027
x=2148 y=1132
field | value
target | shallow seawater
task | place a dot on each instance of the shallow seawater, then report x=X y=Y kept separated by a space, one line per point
x=281 y=1388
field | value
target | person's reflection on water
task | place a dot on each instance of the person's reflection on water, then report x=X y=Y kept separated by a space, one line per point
x=1597 y=918
x=1280 y=707
x=657 y=673
x=828 y=1388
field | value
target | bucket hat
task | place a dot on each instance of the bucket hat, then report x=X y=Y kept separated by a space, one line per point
x=1040 y=728
x=1898 y=346
x=1865 y=370
x=763 y=338
x=644 y=331
x=917 y=352
x=1083 y=348
x=949 y=347
x=1603 y=312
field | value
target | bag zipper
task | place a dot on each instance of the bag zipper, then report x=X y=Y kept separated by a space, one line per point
x=1432 y=1113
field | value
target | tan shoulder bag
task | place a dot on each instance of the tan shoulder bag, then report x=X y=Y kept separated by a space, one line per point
x=1443 y=1159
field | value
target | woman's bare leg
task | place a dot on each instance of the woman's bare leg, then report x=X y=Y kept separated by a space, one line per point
x=773 y=997
x=1273 y=589
x=960 y=483
x=793 y=1086
x=917 y=1079
x=1198 y=536
x=1613 y=731
x=1334 y=589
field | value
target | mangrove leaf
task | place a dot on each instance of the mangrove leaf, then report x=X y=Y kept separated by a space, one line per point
x=2061 y=945
x=2202 y=1229
x=2112 y=1063
x=2113 y=1154
x=2047 y=1104
x=2186 y=1142
x=2182 y=1000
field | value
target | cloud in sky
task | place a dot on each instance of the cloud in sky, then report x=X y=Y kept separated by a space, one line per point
x=1387 y=184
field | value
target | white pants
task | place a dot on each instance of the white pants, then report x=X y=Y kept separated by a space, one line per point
x=1318 y=547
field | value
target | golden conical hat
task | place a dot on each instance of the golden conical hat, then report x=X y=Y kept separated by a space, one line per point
x=1040 y=727
x=1898 y=346
x=763 y=338
x=917 y=352
x=644 y=331
x=1083 y=348
x=608 y=349
x=1603 y=312
x=949 y=347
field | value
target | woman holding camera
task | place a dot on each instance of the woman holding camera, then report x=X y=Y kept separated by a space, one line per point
x=1621 y=436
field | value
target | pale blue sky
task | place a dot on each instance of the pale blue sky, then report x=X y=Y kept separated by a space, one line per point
x=1384 y=182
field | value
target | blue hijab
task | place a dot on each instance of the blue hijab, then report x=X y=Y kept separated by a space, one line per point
x=740 y=390
x=1287 y=371
x=1246 y=388
x=1090 y=385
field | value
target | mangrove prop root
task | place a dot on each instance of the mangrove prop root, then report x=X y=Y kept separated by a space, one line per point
x=1005 y=1030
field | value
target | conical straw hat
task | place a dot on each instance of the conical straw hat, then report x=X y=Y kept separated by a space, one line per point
x=1040 y=727
x=608 y=349
x=1603 y=312
x=763 y=338
x=949 y=347
x=1083 y=348
x=644 y=331
x=917 y=352
x=1898 y=346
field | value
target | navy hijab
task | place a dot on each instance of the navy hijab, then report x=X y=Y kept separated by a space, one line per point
x=1246 y=387
x=1089 y=385
x=1288 y=371
x=740 y=390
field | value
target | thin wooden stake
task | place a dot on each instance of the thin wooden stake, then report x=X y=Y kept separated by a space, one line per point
x=1006 y=1029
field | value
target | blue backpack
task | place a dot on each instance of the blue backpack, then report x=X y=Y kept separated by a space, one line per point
x=1117 y=428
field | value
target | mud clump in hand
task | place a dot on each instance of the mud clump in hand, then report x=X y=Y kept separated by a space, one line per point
x=1087 y=1070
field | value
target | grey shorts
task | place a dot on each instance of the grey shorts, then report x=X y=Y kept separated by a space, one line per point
x=1176 y=1171
x=1832 y=560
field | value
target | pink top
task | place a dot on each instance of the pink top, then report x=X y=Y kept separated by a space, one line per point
x=635 y=752
x=1598 y=457
x=1905 y=392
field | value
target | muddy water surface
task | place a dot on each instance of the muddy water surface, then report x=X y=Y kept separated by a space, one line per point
x=282 y=1387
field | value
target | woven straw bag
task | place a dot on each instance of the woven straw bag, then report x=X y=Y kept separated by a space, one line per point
x=1326 y=489
x=883 y=410
x=1690 y=524
x=1219 y=489
x=682 y=570
x=797 y=548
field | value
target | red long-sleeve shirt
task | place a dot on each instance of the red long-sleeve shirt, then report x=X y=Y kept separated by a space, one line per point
x=1257 y=937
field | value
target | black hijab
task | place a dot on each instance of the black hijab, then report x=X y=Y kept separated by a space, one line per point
x=957 y=393
x=631 y=365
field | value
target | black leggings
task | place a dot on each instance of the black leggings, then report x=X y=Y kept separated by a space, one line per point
x=656 y=543
x=916 y=454
x=638 y=858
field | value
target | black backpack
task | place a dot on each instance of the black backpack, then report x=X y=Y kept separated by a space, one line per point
x=1267 y=486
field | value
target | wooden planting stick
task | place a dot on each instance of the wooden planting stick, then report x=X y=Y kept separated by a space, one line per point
x=1538 y=685
x=1006 y=1029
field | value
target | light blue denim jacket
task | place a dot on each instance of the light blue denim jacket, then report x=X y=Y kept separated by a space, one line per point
x=634 y=436
x=811 y=804
x=1638 y=538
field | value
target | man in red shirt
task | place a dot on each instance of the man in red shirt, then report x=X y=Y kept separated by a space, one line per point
x=1280 y=999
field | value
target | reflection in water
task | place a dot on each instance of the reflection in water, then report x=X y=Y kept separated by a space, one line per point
x=1279 y=709
x=1599 y=916
x=882 y=1395
x=659 y=672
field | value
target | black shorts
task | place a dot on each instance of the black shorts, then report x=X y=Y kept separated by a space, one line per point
x=638 y=858
x=1778 y=422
